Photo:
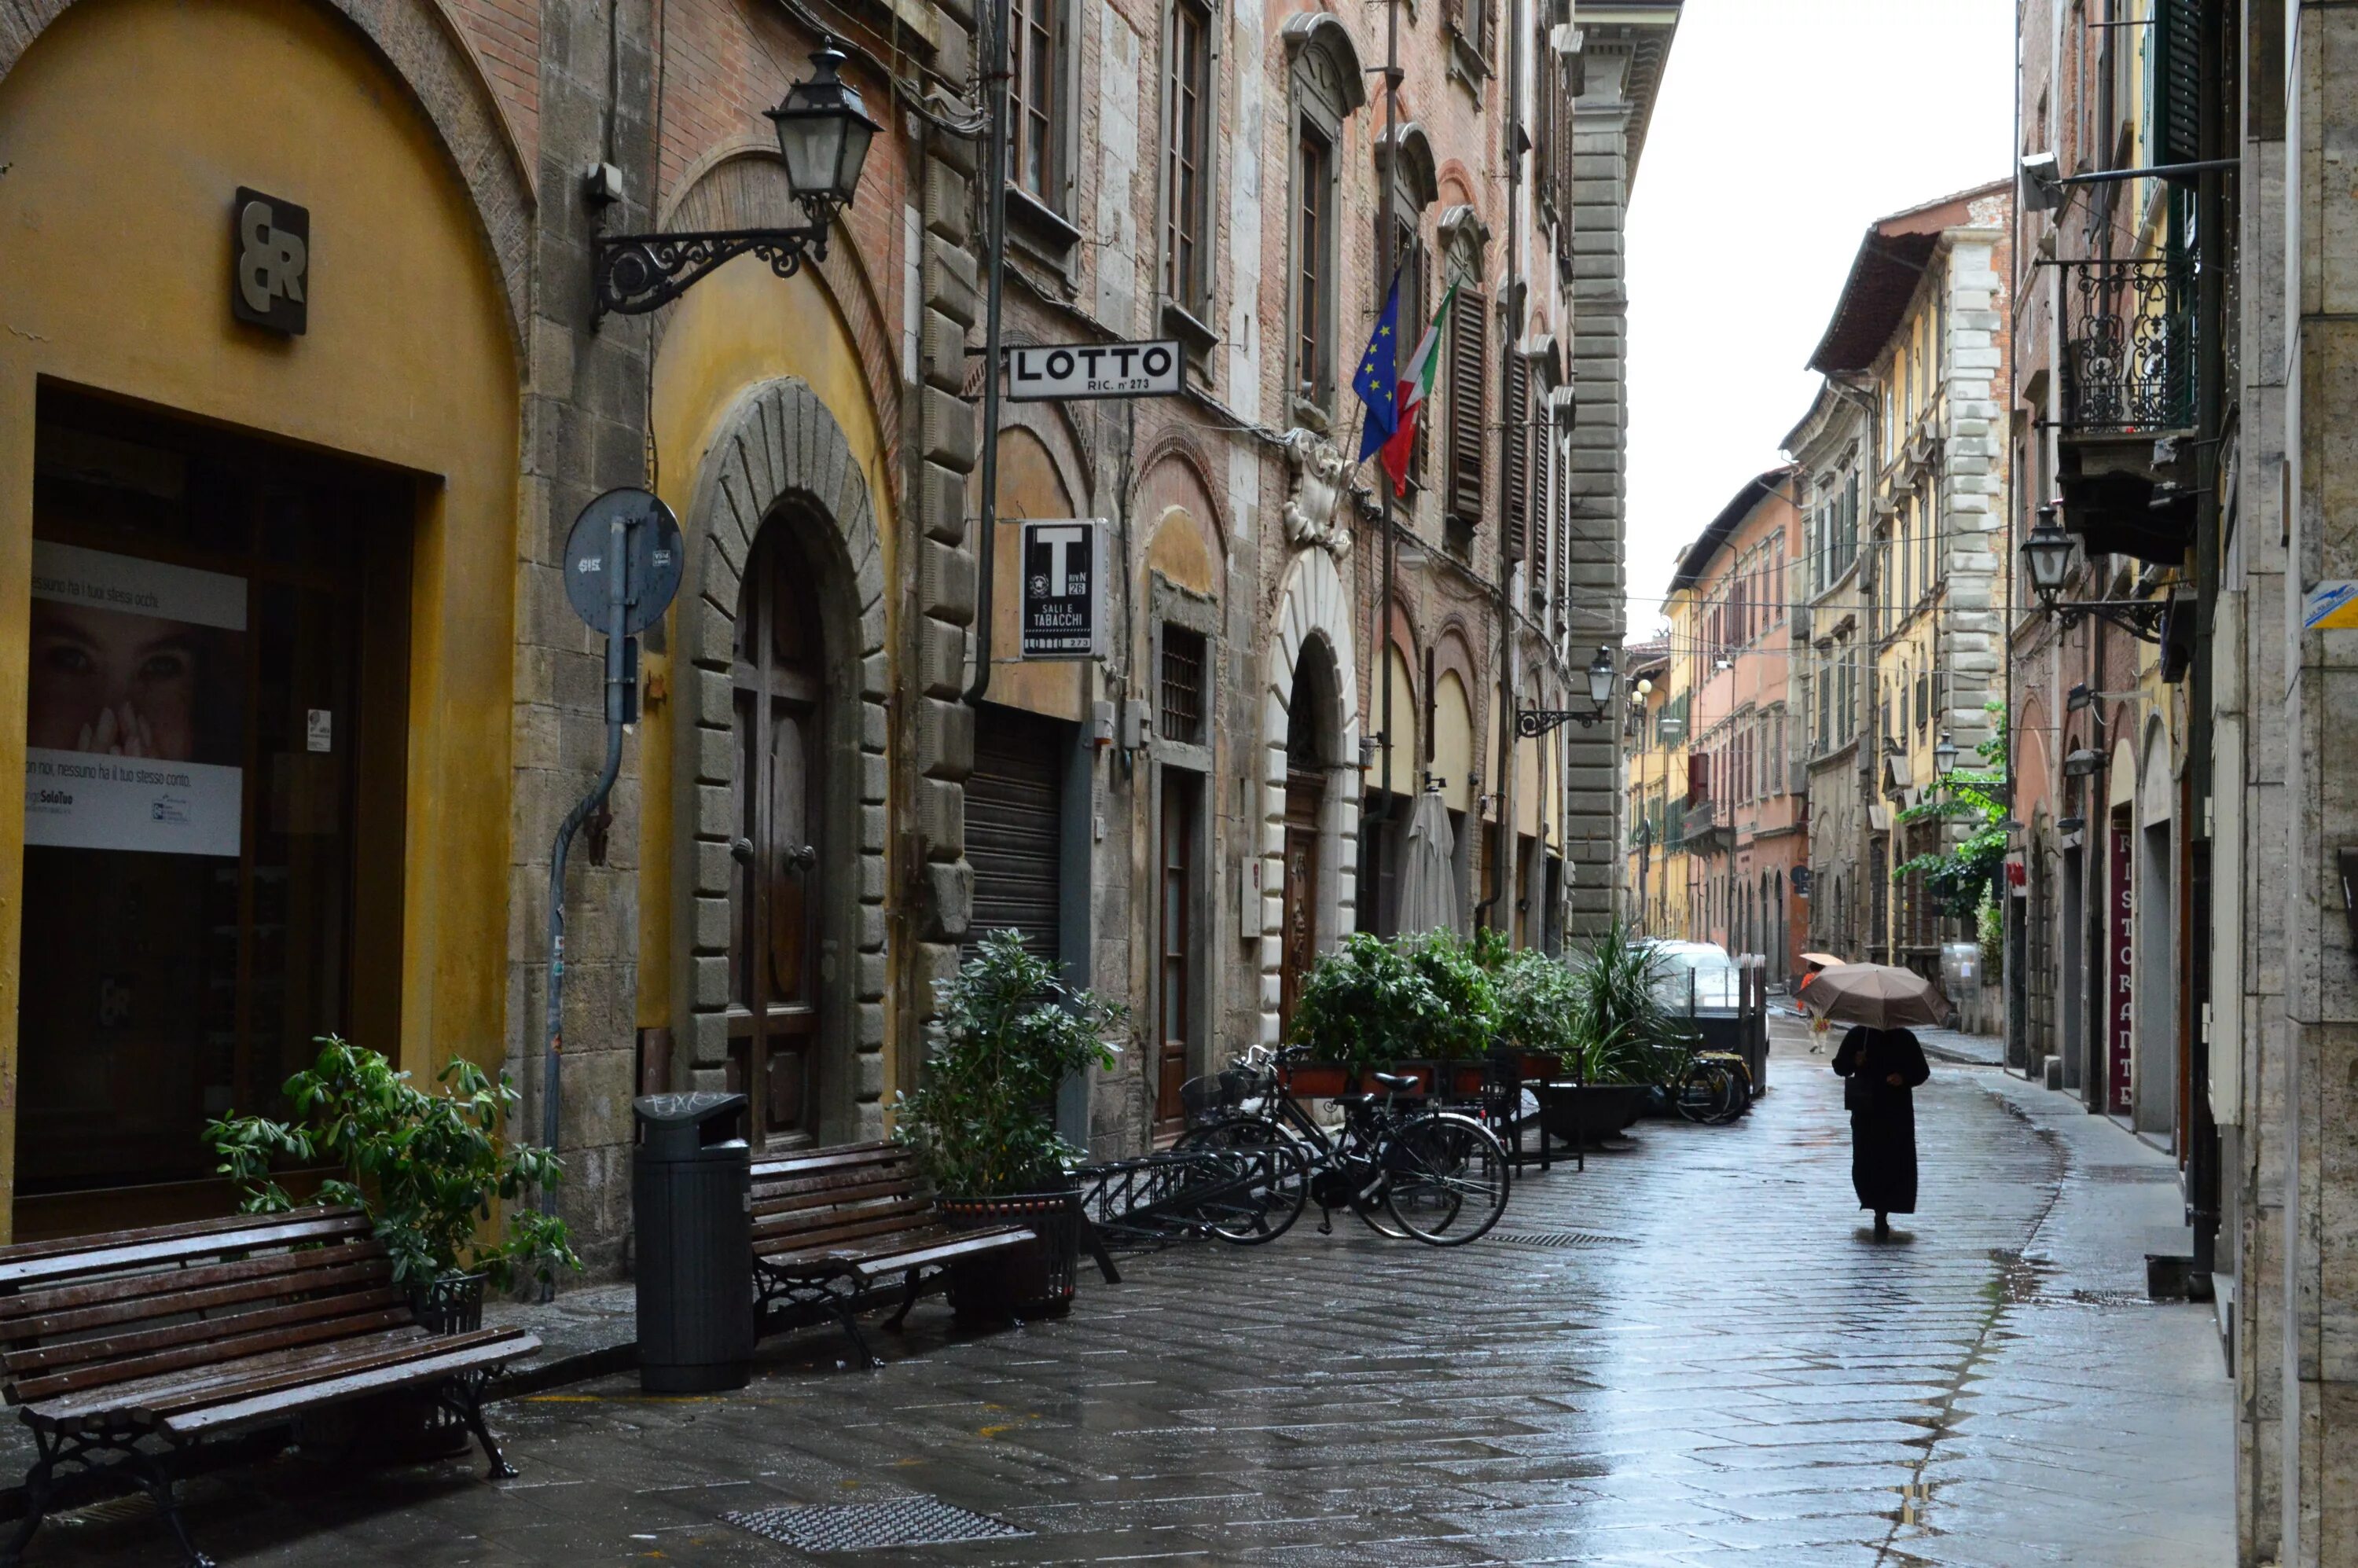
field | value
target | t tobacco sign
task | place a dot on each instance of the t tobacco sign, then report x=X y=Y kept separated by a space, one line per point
x=1063 y=606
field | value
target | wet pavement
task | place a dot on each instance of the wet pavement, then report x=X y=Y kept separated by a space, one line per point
x=1693 y=1352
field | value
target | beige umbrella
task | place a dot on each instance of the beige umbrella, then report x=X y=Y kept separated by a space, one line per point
x=1428 y=887
x=1879 y=996
x=1824 y=960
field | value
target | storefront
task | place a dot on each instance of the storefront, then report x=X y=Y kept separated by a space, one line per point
x=257 y=546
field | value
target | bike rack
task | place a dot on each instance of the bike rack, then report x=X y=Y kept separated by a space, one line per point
x=1154 y=1200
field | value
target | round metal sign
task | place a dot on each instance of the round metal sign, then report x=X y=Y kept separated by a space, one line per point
x=651 y=552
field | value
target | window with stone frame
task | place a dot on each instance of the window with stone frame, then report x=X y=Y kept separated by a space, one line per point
x=1465 y=402
x=1039 y=45
x=1187 y=140
x=1325 y=90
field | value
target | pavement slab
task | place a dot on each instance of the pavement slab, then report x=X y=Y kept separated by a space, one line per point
x=1741 y=1376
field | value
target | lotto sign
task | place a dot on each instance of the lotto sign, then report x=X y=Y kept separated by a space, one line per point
x=1093 y=370
x=1064 y=608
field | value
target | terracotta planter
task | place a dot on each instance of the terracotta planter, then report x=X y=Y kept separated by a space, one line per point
x=1018 y=1282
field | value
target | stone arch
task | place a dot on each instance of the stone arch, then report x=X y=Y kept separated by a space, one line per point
x=744 y=186
x=420 y=44
x=1314 y=607
x=779 y=459
x=1318 y=41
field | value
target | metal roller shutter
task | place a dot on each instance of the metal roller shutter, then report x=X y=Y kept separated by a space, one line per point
x=1014 y=826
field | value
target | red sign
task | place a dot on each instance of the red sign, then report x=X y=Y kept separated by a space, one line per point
x=2120 y=994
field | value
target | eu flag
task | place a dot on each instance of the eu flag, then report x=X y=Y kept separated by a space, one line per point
x=1377 y=380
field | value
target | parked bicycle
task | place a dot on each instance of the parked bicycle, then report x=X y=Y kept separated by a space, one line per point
x=1436 y=1176
x=1713 y=1087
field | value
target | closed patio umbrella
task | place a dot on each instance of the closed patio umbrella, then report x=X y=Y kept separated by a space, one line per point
x=1428 y=889
x=1881 y=996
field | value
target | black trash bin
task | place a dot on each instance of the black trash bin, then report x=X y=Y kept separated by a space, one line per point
x=691 y=1198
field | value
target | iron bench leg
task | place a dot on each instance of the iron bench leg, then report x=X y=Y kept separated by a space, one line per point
x=463 y=1398
x=843 y=1315
x=149 y=1474
x=909 y=1285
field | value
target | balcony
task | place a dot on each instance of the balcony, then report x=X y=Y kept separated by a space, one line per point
x=2128 y=351
x=2129 y=346
x=1708 y=829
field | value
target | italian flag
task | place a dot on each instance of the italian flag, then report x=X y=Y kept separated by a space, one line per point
x=1415 y=385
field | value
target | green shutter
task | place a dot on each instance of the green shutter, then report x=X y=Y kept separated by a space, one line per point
x=2176 y=65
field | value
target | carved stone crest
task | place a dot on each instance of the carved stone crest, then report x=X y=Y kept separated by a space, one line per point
x=1321 y=478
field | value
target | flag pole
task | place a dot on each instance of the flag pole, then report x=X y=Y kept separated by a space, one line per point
x=1388 y=263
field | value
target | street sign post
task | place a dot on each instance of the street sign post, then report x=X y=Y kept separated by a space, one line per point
x=622 y=564
x=1038 y=371
x=1063 y=588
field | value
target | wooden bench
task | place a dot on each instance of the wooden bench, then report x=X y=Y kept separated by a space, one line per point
x=830 y=1224
x=124 y=1352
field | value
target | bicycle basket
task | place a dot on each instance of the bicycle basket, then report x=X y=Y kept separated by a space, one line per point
x=1202 y=1100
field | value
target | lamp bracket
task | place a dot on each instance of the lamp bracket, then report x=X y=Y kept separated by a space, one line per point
x=638 y=273
x=1535 y=721
x=2140 y=618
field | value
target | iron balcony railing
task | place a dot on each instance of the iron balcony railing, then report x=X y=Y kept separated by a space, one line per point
x=2128 y=345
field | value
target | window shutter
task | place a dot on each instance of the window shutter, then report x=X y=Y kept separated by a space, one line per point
x=2177 y=128
x=1698 y=777
x=1515 y=453
x=1469 y=317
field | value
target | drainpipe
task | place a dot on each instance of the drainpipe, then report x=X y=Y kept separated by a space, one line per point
x=1502 y=864
x=995 y=171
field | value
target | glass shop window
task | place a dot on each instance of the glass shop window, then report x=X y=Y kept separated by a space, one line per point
x=213 y=786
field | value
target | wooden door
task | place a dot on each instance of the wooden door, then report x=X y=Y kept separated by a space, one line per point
x=1305 y=793
x=776 y=892
x=1177 y=916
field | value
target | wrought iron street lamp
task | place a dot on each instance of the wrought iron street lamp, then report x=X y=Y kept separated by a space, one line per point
x=1533 y=721
x=824 y=134
x=1944 y=756
x=2047 y=555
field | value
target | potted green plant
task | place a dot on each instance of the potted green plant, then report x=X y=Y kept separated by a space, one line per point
x=1624 y=1044
x=982 y=1123
x=1365 y=1006
x=427 y=1166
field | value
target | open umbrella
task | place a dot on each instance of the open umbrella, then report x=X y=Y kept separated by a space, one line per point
x=1428 y=888
x=1824 y=960
x=1879 y=996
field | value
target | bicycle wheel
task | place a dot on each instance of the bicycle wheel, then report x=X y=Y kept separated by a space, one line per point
x=1706 y=1092
x=1272 y=1187
x=1449 y=1178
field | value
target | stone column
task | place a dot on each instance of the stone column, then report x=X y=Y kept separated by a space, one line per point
x=585 y=420
x=1597 y=484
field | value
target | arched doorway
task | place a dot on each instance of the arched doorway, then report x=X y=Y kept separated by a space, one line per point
x=1313 y=711
x=777 y=888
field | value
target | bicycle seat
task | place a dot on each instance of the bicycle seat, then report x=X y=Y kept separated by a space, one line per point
x=1399 y=1083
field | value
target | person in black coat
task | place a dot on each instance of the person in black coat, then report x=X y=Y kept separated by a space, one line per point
x=1879 y=1067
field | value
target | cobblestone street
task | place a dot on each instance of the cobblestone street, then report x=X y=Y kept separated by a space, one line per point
x=1694 y=1352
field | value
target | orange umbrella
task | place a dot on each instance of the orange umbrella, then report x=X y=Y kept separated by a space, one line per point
x=1881 y=996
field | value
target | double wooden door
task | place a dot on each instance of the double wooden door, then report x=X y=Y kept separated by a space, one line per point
x=1175 y=941
x=1305 y=793
x=776 y=889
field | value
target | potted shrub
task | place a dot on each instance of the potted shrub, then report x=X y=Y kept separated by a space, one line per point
x=1364 y=1006
x=982 y=1123
x=1624 y=1043
x=427 y=1168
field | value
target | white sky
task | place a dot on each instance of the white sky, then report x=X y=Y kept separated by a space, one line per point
x=1782 y=129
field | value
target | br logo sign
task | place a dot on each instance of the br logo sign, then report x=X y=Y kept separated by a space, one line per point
x=272 y=241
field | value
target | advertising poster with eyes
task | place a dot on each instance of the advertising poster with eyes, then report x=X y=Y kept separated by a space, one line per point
x=134 y=713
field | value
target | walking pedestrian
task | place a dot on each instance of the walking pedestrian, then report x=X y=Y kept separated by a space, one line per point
x=1880 y=1070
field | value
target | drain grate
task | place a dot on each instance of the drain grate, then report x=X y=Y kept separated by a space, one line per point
x=864 y=1527
x=1556 y=1239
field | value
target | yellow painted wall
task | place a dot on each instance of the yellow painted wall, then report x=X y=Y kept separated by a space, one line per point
x=1453 y=740
x=1408 y=749
x=124 y=131
x=737 y=328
